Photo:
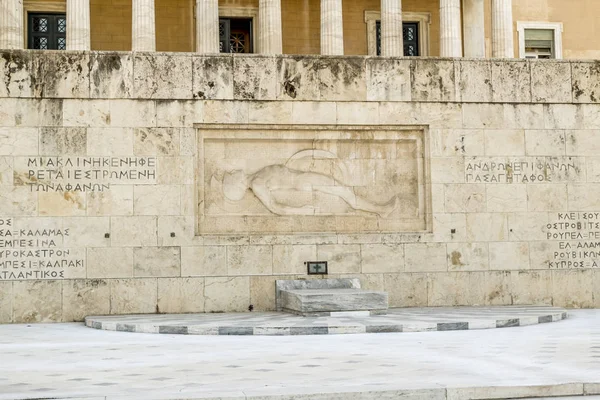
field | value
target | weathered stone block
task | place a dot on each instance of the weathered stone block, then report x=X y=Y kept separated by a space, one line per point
x=213 y=77
x=110 y=141
x=179 y=113
x=156 y=200
x=270 y=112
x=546 y=197
x=116 y=201
x=388 y=79
x=551 y=82
x=132 y=113
x=290 y=259
x=111 y=262
x=474 y=81
x=307 y=112
x=433 y=80
x=85 y=297
x=16 y=69
x=456 y=289
x=249 y=260
x=342 y=79
x=226 y=112
x=506 y=198
x=425 y=257
x=487 y=227
x=63 y=141
x=531 y=287
x=6 y=300
x=156 y=141
x=181 y=295
x=456 y=142
x=18 y=201
x=505 y=142
x=297 y=78
x=524 y=116
x=406 y=290
x=357 y=113
x=37 y=301
x=586 y=82
x=162 y=76
x=547 y=142
x=156 y=261
x=468 y=256
x=133 y=296
x=509 y=256
x=87 y=232
x=227 y=294
x=204 y=261
x=511 y=81
x=342 y=258
x=377 y=258
x=134 y=231
x=464 y=198
x=254 y=78
x=111 y=75
x=61 y=74
x=563 y=116
x=18 y=141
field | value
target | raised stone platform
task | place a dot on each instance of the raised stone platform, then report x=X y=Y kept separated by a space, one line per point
x=275 y=323
x=330 y=302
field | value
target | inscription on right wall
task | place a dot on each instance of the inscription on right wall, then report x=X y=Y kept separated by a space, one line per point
x=575 y=240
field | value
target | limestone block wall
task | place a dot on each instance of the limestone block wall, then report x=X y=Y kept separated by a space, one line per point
x=101 y=181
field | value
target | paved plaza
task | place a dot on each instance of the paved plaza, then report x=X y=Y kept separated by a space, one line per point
x=71 y=360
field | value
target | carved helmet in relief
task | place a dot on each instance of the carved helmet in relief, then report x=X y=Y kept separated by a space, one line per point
x=235 y=185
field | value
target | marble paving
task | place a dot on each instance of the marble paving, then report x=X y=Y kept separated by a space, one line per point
x=397 y=320
x=70 y=360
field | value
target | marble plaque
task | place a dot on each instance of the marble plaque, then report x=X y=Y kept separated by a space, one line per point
x=261 y=179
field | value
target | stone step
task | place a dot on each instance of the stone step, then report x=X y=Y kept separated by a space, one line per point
x=311 y=302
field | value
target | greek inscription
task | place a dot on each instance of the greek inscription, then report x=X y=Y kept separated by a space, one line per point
x=523 y=170
x=575 y=240
x=82 y=174
x=34 y=253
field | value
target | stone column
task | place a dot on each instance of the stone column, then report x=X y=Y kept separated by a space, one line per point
x=78 y=24
x=269 y=27
x=332 y=29
x=502 y=29
x=11 y=24
x=207 y=26
x=473 y=28
x=450 y=36
x=143 y=26
x=392 y=43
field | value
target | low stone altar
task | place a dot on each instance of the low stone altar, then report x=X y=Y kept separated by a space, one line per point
x=333 y=297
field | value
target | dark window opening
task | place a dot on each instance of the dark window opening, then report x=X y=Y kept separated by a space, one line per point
x=47 y=31
x=235 y=35
x=410 y=33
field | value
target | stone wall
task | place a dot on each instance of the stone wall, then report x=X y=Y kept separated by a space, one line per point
x=102 y=178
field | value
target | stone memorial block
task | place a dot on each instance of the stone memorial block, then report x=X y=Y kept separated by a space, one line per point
x=260 y=179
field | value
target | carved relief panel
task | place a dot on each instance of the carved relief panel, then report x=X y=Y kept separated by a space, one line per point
x=287 y=179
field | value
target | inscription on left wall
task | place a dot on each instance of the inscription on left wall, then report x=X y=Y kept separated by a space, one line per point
x=82 y=174
x=37 y=253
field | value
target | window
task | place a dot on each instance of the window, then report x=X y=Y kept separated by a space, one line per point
x=415 y=32
x=46 y=31
x=540 y=40
x=410 y=32
x=235 y=35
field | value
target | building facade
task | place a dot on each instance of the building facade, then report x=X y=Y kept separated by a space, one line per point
x=147 y=181
x=470 y=28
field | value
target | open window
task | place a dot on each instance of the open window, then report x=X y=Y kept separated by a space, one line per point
x=540 y=40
